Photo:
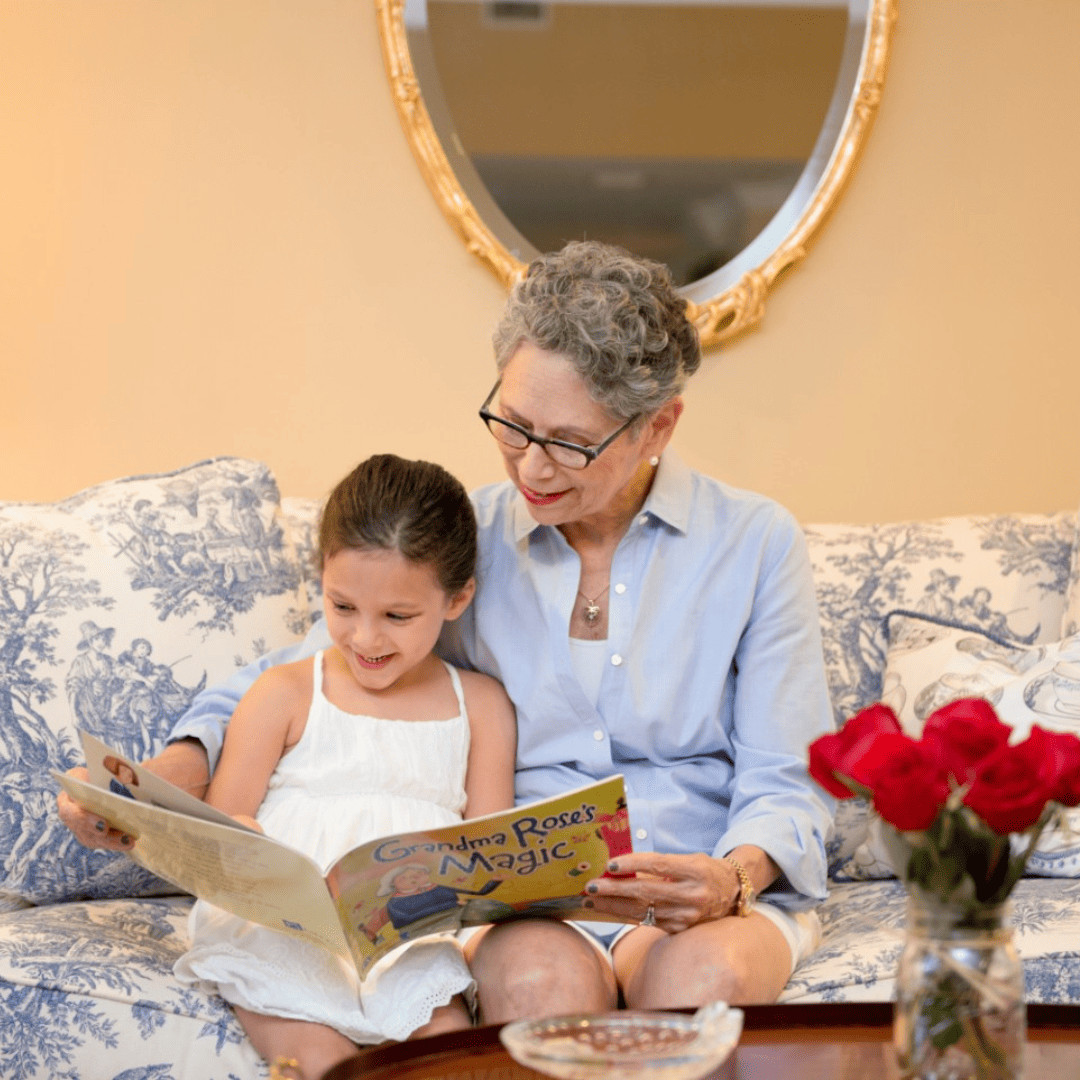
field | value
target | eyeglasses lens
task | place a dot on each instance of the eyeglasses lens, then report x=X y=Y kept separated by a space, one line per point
x=563 y=455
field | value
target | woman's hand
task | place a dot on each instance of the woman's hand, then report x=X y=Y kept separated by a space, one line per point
x=683 y=890
x=181 y=763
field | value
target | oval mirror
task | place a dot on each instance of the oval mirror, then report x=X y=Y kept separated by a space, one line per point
x=713 y=135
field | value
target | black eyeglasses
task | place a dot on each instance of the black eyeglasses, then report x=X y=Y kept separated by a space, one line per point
x=568 y=454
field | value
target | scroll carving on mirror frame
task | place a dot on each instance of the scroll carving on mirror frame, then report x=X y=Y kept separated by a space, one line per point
x=738 y=308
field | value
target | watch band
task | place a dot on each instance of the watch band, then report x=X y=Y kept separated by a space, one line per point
x=744 y=902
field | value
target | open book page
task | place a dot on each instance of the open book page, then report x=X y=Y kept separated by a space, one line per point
x=235 y=868
x=143 y=785
x=533 y=860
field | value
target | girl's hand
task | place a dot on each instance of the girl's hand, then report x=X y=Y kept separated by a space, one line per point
x=250 y=822
x=682 y=889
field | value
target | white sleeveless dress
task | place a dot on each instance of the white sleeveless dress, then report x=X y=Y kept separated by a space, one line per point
x=348 y=780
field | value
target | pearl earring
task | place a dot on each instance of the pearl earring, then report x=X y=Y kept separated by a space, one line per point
x=654 y=461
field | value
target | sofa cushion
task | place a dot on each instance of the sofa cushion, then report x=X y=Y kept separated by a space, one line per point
x=863 y=933
x=1006 y=573
x=116 y=606
x=87 y=990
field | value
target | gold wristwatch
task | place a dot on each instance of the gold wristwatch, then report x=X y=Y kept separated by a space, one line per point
x=744 y=901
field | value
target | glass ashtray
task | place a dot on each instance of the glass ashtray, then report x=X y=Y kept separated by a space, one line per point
x=630 y=1045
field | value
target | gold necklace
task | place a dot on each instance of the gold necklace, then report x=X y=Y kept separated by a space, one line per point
x=592 y=608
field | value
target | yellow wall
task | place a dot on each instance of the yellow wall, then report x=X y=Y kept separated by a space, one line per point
x=214 y=240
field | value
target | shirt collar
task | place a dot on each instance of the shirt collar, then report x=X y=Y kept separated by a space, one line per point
x=668 y=499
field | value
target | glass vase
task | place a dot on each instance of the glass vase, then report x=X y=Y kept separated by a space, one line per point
x=960 y=1012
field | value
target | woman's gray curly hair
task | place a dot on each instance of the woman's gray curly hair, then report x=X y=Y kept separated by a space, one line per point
x=615 y=316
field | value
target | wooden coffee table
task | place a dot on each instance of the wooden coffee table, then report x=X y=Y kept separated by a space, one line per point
x=779 y=1042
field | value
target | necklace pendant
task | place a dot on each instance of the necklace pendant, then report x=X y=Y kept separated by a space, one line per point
x=592 y=613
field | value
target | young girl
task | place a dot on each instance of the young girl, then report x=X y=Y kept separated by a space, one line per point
x=373 y=736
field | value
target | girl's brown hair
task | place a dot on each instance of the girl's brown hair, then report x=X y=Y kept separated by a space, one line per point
x=388 y=503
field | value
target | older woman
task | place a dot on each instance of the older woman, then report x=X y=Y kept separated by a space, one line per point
x=650 y=621
x=646 y=620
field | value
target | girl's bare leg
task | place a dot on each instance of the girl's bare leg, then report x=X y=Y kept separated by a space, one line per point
x=452 y=1017
x=315 y=1047
x=535 y=968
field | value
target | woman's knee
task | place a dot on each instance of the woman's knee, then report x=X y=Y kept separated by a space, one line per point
x=687 y=971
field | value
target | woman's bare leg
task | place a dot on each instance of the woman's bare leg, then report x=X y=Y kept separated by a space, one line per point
x=315 y=1047
x=740 y=961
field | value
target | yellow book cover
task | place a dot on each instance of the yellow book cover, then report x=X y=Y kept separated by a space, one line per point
x=533 y=860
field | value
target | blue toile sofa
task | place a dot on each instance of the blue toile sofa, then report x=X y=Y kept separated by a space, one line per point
x=118 y=604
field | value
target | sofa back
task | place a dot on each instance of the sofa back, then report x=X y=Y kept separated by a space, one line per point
x=119 y=603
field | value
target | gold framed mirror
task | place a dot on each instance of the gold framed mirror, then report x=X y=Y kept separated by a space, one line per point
x=520 y=157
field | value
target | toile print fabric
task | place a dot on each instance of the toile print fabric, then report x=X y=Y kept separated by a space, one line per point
x=118 y=604
x=87 y=993
x=1005 y=575
x=863 y=932
x=301 y=519
x=1070 y=621
x=931 y=663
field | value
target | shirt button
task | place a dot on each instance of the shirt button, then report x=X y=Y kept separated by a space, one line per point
x=598 y=735
x=643 y=519
x=620 y=588
x=641 y=833
x=616 y=660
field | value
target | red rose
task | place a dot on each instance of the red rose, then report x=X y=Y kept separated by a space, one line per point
x=909 y=785
x=831 y=755
x=1012 y=786
x=966 y=732
x=1061 y=754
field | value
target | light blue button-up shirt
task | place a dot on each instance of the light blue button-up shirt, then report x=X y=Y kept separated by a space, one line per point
x=713 y=686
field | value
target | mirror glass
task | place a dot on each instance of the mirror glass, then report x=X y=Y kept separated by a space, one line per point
x=696 y=132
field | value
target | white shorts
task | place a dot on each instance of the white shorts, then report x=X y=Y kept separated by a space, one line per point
x=801 y=930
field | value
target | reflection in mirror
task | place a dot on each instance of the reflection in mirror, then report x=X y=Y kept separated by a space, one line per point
x=703 y=133
x=601 y=120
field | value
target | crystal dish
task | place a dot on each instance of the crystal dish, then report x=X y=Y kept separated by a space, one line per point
x=630 y=1045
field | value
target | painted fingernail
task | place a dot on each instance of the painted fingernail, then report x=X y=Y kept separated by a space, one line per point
x=613 y=867
x=125 y=840
x=587 y=904
x=591 y=887
x=100 y=826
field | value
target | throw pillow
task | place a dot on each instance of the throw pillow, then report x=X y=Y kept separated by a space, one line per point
x=931 y=662
x=117 y=606
x=1006 y=574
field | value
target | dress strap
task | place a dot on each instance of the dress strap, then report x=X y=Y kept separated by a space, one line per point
x=316 y=677
x=455 y=678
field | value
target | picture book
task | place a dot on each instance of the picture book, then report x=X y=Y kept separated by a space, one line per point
x=532 y=860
